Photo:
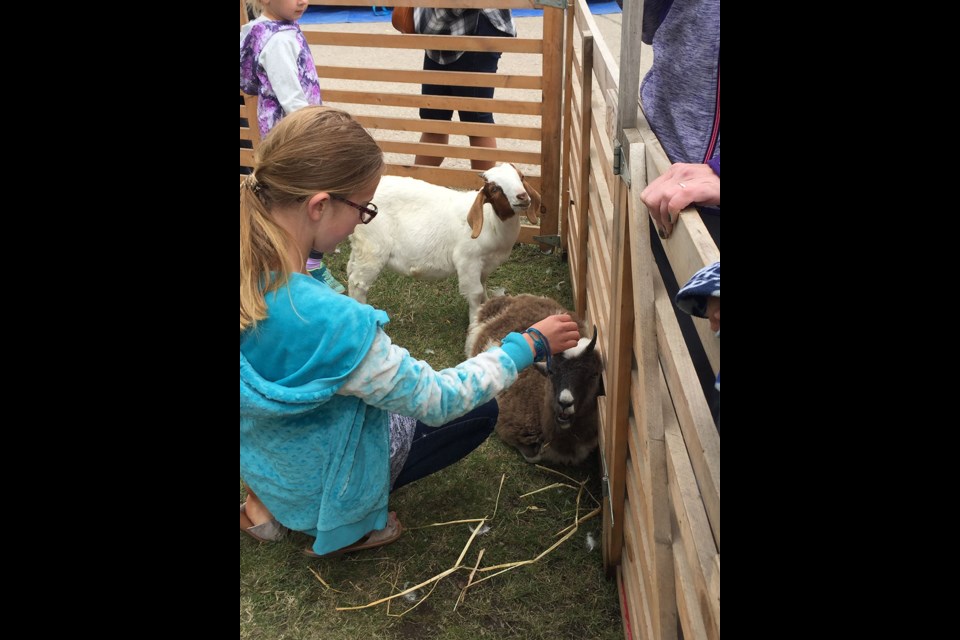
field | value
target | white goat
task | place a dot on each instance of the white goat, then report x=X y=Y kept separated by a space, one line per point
x=427 y=231
x=549 y=416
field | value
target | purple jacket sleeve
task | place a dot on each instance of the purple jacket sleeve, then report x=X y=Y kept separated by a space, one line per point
x=715 y=164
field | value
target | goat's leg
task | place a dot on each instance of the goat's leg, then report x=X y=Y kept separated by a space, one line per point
x=362 y=270
x=471 y=287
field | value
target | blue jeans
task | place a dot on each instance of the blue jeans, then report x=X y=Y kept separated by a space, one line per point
x=435 y=448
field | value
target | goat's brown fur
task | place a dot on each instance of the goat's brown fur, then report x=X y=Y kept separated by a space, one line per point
x=527 y=409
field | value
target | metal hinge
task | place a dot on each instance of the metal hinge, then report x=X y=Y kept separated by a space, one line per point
x=620 y=167
x=552 y=240
x=605 y=484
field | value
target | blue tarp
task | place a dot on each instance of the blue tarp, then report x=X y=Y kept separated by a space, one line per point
x=328 y=15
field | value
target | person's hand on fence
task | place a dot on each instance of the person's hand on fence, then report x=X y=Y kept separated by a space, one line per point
x=679 y=187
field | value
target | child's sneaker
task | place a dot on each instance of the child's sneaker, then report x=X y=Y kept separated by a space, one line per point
x=332 y=282
x=319 y=271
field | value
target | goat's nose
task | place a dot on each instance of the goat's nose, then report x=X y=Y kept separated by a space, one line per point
x=522 y=196
x=566 y=399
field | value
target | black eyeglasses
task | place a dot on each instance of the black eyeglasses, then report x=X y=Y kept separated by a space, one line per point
x=367 y=213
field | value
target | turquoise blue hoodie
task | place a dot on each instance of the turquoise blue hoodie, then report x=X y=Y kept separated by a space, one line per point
x=318 y=460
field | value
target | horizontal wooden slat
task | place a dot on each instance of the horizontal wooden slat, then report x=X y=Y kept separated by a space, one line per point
x=593 y=315
x=246 y=157
x=334 y=96
x=453 y=151
x=576 y=198
x=453 y=78
x=603 y=412
x=466 y=179
x=450 y=127
x=599 y=240
x=599 y=193
x=689 y=404
x=655 y=558
x=639 y=452
x=691 y=519
x=640 y=600
x=575 y=122
x=527 y=231
x=412 y=41
x=598 y=295
x=687 y=607
x=690 y=248
x=603 y=149
x=713 y=587
x=573 y=230
x=577 y=68
x=606 y=70
x=573 y=258
x=575 y=148
x=627 y=598
x=597 y=261
x=637 y=520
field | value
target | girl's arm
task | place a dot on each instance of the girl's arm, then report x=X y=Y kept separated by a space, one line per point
x=390 y=378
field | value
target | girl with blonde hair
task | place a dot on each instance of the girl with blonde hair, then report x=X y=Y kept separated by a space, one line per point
x=333 y=416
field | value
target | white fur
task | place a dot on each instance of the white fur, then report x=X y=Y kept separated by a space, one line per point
x=574 y=352
x=422 y=231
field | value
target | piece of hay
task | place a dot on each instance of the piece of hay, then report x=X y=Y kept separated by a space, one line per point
x=323 y=582
x=463 y=592
x=434 y=579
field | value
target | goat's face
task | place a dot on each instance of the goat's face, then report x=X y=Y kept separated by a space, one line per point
x=575 y=381
x=508 y=192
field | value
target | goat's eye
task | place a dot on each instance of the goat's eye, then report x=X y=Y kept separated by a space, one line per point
x=495 y=189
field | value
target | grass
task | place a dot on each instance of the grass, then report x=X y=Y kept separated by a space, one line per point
x=564 y=595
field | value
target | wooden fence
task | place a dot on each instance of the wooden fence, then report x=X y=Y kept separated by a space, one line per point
x=386 y=100
x=659 y=447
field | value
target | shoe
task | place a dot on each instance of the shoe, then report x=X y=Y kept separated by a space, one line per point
x=271 y=531
x=332 y=282
x=320 y=272
x=390 y=532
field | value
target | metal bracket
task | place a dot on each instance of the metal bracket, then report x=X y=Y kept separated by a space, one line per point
x=605 y=484
x=552 y=240
x=559 y=4
x=620 y=167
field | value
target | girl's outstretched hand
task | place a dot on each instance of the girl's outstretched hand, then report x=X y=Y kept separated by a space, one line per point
x=560 y=330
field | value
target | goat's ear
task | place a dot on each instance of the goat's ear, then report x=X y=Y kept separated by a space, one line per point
x=541 y=368
x=475 y=217
x=593 y=342
x=533 y=211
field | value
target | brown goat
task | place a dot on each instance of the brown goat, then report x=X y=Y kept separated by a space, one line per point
x=548 y=416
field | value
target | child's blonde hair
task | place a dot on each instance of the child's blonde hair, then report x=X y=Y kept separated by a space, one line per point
x=314 y=149
x=255 y=7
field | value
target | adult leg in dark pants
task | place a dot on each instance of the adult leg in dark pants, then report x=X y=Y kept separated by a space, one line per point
x=435 y=448
x=473 y=61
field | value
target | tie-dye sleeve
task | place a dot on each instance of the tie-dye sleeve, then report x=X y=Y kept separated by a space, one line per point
x=390 y=378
